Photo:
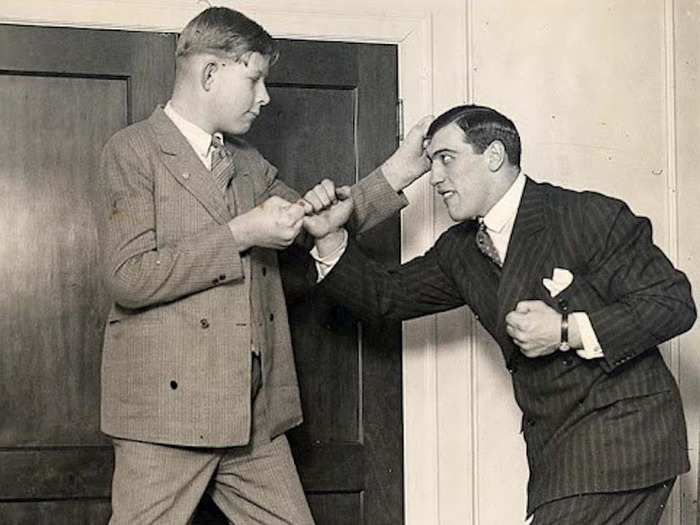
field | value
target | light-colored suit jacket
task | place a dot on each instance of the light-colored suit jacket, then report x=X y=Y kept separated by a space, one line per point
x=176 y=362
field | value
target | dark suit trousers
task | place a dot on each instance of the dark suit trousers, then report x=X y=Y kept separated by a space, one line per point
x=635 y=507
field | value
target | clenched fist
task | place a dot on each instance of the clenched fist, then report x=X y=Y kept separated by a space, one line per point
x=273 y=224
x=535 y=328
x=334 y=213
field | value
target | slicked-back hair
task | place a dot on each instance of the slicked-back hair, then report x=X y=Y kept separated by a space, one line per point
x=226 y=33
x=481 y=126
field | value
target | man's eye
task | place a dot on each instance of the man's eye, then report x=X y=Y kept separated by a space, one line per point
x=446 y=158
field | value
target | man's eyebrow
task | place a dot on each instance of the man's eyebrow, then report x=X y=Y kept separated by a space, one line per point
x=437 y=152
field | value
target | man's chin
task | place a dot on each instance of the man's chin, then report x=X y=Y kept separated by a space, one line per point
x=455 y=215
x=241 y=128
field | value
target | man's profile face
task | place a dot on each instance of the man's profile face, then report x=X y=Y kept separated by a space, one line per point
x=459 y=174
x=239 y=92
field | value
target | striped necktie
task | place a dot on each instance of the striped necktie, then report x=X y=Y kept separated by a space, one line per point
x=485 y=244
x=221 y=162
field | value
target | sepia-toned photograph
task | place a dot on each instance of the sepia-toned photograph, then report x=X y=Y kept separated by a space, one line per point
x=383 y=262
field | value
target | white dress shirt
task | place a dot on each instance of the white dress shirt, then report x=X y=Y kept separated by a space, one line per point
x=499 y=222
x=199 y=139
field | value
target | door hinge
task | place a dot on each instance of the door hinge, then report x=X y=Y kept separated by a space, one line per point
x=399 y=119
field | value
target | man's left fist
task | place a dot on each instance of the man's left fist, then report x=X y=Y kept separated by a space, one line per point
x=535 y=327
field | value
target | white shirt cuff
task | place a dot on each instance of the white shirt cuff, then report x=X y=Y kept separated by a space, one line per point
x=325 y=264
x=591 y=347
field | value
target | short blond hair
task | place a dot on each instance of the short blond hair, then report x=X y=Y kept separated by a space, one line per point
x=225 y=32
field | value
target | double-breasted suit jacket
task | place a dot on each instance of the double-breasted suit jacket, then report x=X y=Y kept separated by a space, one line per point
x=188 y=305
x=601 y=425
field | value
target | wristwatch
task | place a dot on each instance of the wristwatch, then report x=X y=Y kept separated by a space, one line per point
x=564 y=342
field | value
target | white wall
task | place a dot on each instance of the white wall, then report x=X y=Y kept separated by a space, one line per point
x=605 y=95
x=686 y=157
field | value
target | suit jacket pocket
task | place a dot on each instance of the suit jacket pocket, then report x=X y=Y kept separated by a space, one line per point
x=631 y=384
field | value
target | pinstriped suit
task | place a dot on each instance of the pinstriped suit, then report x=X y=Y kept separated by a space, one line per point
x=602 y=425
x=177 y=352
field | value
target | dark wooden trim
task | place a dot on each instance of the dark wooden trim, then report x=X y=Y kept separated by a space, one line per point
x=60 y=473
x=95 y=53
x=331 y=467
x=334 y=65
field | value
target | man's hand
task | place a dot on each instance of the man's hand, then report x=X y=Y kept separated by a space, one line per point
x=330 y=217
x=535 y=327
x=320 y=196
x=273 y=224
x=410 y=160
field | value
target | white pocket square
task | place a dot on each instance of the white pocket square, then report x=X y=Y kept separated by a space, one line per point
x=560 y=281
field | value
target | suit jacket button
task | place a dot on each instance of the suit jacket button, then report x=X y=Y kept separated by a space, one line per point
x=185 y=175
x=272 y=317
x=264 y=271
x=204 y=323
x=567 y=361
x=222 y=277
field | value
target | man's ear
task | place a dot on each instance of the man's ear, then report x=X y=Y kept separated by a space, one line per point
x=496 y=155
x=207 y=74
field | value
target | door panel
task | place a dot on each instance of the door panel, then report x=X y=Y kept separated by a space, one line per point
x=338 y=120
x=63 y=92
x=55 y=327
x=308 y=132
x=77 y=512
x=333 y=114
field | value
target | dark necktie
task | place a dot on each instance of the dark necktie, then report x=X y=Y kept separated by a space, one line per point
x=221 y=163
x=485 y=244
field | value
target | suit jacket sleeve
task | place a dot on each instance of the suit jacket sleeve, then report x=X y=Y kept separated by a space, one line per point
x=648 y=300
x=373 y=291
x=139 y=272
x=373 y=198
x=374 y=201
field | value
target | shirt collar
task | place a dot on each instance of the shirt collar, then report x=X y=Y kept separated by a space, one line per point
x=199 y=139
x=505 y=210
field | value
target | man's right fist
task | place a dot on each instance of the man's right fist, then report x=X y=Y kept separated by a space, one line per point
x=273 y=224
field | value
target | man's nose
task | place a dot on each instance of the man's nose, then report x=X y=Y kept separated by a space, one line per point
x=436 y=176
x=263 y=95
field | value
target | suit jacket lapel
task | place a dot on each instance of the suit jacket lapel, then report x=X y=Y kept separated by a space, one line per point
x=529 y=245
x=182 y=162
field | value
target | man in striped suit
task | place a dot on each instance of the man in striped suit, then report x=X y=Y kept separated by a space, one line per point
x=578 y=297
x=198 y=377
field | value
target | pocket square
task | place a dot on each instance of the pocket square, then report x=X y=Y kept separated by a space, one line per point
x=560 y=281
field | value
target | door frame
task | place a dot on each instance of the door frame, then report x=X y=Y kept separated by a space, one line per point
x=434 y=73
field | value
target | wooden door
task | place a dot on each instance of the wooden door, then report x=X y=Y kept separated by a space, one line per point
x=333 y=114
x=63 y=92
